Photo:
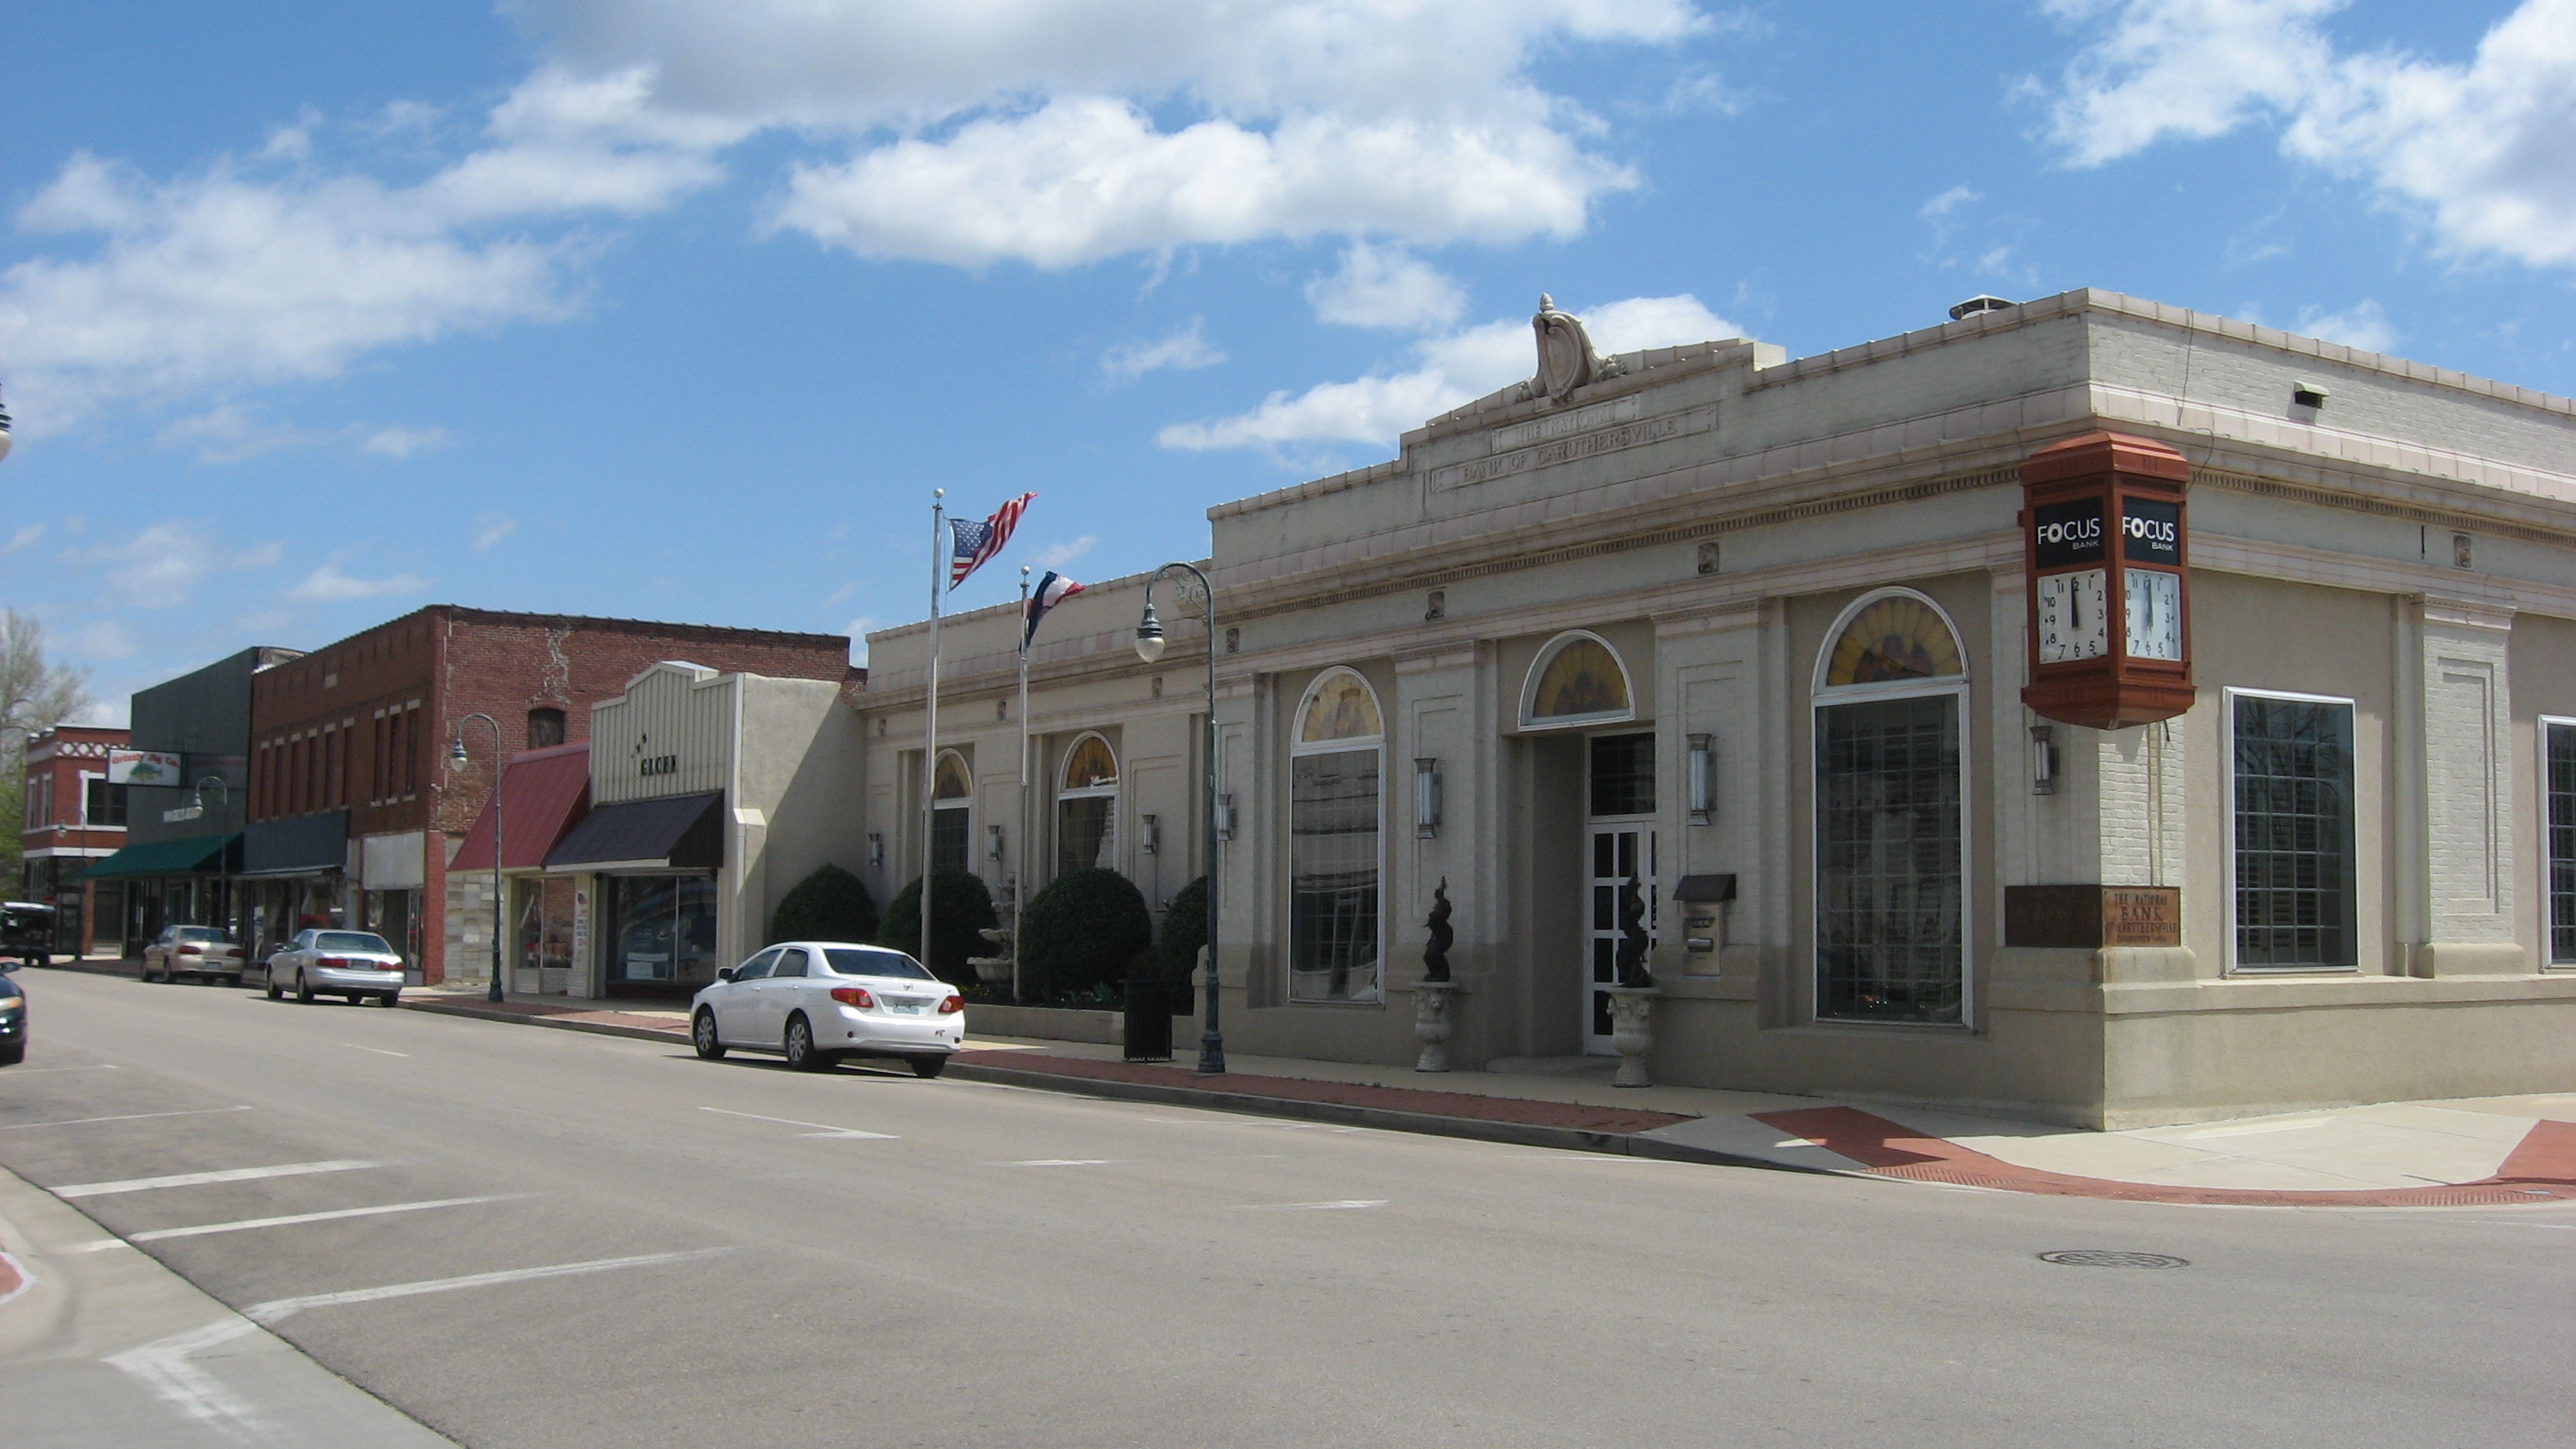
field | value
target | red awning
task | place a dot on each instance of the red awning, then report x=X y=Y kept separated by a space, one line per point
x=543 y=794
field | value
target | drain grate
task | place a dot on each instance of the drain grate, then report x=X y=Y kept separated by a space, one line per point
x=2105 y=1258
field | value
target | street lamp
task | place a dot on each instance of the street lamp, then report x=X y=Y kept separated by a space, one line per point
x=456 y=757
x=1149 y=647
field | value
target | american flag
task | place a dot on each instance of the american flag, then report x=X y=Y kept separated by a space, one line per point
x=976 y=543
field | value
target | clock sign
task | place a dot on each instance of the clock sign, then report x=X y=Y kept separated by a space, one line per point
x=2110 y=640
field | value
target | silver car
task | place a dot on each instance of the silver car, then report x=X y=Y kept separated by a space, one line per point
x=816 y=1002
x=198 y=951
x=354 y=964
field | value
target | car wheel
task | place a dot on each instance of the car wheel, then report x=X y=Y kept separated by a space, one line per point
x=146 y=972
x=801 y=1054
x=11 y=1056
x=927 y=1067
x=233 y=980
x=303 y=988
x=702 y=1036
x=389 y=999
x=275 y=991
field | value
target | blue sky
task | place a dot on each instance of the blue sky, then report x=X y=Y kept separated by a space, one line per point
x=311 y=313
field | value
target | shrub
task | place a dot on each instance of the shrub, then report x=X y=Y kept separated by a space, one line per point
x=960 y=909
x=1184 y=932
x=829 y=905
x=1082 y=932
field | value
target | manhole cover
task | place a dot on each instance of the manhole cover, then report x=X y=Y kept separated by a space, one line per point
x=2104 y=1258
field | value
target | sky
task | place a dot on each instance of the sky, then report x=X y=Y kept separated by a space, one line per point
x=313 y=313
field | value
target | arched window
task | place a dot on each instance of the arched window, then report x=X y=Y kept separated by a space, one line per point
x=1890 y=815
x=1086 y=807
x=952 y=799
x=1576 y=680
x=1334 y=828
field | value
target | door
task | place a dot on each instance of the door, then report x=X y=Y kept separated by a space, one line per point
x=736 y=1003
x=778 y=996
x=1619 y=852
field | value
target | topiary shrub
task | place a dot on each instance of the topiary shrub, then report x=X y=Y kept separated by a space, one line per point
x=829 y=905
x=1184 y=932
x=1082 y=932
x=960 y=909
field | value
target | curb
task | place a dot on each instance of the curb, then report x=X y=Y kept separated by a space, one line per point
x=481 y=1012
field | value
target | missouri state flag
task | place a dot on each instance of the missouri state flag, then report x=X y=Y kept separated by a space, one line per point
x=973 y=545
x=1052 y=590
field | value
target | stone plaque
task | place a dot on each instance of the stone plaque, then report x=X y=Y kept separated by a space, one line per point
x=2092 y=916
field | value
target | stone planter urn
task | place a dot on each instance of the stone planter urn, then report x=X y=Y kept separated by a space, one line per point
x=1431 y=1025
x=1632 y=1031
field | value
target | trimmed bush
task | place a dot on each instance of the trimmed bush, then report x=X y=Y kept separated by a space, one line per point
x=960 y=909
x=1184 y=932
x=829 y=905
x=1082 y=932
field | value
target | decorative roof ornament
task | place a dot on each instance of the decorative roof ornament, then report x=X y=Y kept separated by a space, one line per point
x=1566 y=360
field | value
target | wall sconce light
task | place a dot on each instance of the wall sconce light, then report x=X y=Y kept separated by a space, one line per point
x=1703 y=779
x=993 y=844
x=876 y=851
x=1153 y=841
x=1426 y=799
x=2043 y=759
x=1223 y=825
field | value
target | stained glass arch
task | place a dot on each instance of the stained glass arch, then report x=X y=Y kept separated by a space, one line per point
x=1091 y=765
x=1577 y=679
x=952 y=780
x=1894 y=636
x=1339 y=708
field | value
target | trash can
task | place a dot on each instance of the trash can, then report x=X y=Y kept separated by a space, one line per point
x=1149 y=1019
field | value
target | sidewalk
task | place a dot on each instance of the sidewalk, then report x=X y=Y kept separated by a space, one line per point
x=2482 y=1152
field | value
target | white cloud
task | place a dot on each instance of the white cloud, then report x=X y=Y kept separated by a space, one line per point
x=491 y=528
x=23 y=539
x=399 y=442
x=235 y=434
x=2484 y=151
x=329 y=585
x=1455 y=369
x=1185 y=349
x=1949 y=201
x=267 y=555
x=106 y=639
x=1057 y=555
x=2364 y=325
x=156 y=568
x=1386 y=287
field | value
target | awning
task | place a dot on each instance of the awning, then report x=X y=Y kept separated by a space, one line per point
x=543 y=794
x=196 y=855
x=297 y=845
x=676 y=832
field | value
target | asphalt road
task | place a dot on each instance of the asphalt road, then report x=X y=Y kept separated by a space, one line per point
x=765 y=1258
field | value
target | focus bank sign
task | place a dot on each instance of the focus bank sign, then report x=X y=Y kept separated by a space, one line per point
x=145 y=767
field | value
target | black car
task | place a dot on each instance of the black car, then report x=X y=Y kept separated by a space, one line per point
x=13 y=1017
x=27 y=931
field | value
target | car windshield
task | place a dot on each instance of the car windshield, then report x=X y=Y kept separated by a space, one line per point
x=350 y=941
x=201 y=933
x=859 y=961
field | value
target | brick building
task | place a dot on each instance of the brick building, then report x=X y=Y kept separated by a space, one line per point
x=355 y=811
x=73 y=818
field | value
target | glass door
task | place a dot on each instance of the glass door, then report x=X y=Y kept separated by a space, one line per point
x=1620 y=796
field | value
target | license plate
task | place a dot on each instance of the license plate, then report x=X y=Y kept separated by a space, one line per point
x=908 y=1005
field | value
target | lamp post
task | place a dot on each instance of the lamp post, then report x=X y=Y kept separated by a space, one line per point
x=1149 y=647
x=456 y=757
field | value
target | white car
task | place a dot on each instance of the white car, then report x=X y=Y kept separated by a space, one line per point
x=354 y=964
x=199 y=951
x=815 y=1002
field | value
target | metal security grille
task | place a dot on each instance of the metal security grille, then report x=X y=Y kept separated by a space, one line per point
x=1333 y=875
x=1623 y=775
x=1889 y=891
x=2294 y=847
x=2562 y=843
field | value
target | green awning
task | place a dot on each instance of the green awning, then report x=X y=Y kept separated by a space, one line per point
x=196 y=855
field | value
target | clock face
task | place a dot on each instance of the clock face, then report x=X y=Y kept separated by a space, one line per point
x=2154 y=600
x=2074 y=620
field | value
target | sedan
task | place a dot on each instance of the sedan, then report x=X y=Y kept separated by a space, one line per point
x=199 y=951
x=13 y=1017
x=354 y=964
x=816 y=1002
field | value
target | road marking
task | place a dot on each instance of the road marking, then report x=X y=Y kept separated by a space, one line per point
x=1055 y=1162
x=40 y=1071
x=194 y=1179
x=128 y=1117
x=380 y=1051
x=102 y=1245
x=1342 y=1205
x=277 y=1309
x=823 y=1129
x=164 y=1368
x=202 y=1229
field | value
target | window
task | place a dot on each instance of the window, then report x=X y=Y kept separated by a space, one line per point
x=861 y=961
x=545 y=728
x=791 y=962
x=105 y=804
x=758 y=966
x=1890 y=808
x=1577 y=679
x=2292 y=801
x=1623 y=775
x=952 y=793
x=1086 y=808
x=2558 y=750
x=1335 y=805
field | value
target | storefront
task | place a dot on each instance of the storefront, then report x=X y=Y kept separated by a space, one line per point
x=654 y=863
x=544 y=795
x=295 y=875
x=142 y=888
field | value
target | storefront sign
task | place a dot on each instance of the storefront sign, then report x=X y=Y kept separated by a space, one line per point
x=2092 y=916
x=658 y=765
x=581 y=929
x=145 y=767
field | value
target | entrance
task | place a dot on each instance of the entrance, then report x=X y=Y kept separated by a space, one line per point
x=1621 y=805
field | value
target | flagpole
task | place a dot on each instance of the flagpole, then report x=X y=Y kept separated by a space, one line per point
x=930 y=725
x=1020 y=848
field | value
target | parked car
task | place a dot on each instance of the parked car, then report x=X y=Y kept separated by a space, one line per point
x=27 y=931
x=198 y=951
x=13 y=1017
x=816 y=1002
x=355 y=964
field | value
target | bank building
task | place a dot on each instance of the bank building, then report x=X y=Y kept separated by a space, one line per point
x=2083 y=709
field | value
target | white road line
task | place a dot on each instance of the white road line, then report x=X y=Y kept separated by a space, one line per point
x=128 y=1117
x=380 y=1051
x=277 y=1309
x=1342 y=1205
x=823 y=1129
x=1054 y=1162
x=40 y=1071
x=102 y=1245
x=194 y=1179
x=202 y=1229
x=164 y=1368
